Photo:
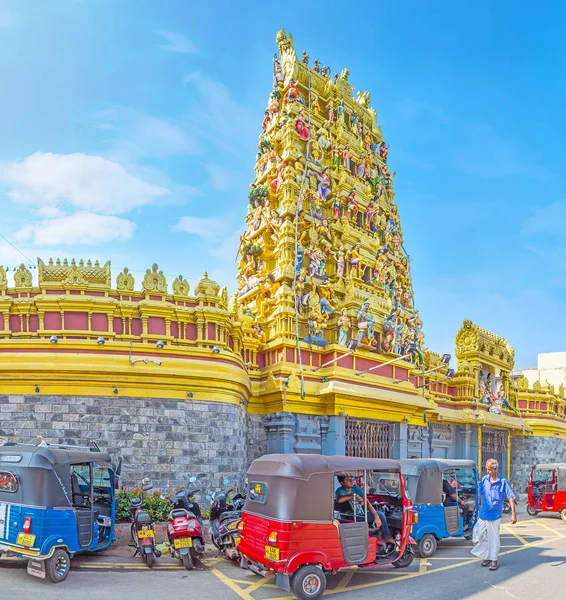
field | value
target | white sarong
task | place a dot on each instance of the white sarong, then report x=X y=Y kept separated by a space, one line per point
x=488 y=542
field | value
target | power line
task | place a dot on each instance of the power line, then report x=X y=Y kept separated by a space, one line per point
x=17 y=249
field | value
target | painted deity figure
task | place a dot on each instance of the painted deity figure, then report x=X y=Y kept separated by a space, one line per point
x=352 y=207
x=362 y=166
x=344 y=327
x=355 y=257
x=316 y=204
x=316 y=258
x=323 y=136
x=315 y=105
x=325 y=297
x=346 y=156
x=336 y=208
x=340 y=256
x=383 y=151
x=389 y=331
x=292 y=93
x=323 y=186
x=279 y=179
x=301 y=126
x=316 y=153
x=273 y=106
x=367 y=141
x=366 y=324
x=317 y=323
x=277 y=73
x=325 y=235
x=354 y=122
x=341 y=110
x=335 y=156
x=302 y=290
x=316 y=66
x=330 y=108
x=266 y=120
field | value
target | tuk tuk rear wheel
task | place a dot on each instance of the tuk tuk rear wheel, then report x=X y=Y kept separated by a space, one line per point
x=404 y=561
x=531 y=511
x=426 y=546
x=57 y=566
x=308 y=583
x=563 y=514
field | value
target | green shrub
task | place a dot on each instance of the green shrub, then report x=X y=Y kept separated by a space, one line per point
x=157 y=507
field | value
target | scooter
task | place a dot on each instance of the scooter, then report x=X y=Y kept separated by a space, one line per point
x=185 y=527
x=142 y=528
x=224 y=520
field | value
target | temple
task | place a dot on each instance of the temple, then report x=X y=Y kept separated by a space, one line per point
x=320 y=350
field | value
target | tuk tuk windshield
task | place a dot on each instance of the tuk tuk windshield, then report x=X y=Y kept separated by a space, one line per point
x=466 y=480
x=543 y=476
x=384 y=483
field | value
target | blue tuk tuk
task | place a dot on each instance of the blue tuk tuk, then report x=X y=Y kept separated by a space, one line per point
x=445 y=494
x=55 y=501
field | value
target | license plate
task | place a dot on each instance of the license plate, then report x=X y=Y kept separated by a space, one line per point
x=272 y=553
x=183 y=543
x=25 y=539
x=146 y=533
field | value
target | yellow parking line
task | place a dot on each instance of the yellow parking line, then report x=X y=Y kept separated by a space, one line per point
x=263 y=581
x=227 y=581
x=520 y=538
x=545 y=526
x=345 y=580
x=467 y=558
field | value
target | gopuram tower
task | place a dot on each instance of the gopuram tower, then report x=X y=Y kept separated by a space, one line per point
x=324 y=278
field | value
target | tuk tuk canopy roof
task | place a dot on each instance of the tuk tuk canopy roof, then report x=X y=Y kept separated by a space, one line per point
x=424 y=477
x=43 y=473
x=560 y=469
x=301 y=486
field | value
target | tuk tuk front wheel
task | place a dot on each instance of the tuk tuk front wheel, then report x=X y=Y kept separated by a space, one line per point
x=308 y=583
x=531 y=511
x=563 y=514
x=426 y=546
x=57 y=566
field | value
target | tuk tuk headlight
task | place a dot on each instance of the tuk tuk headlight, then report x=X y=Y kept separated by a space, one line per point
x=233 y=525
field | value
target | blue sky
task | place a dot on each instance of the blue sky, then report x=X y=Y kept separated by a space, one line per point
x=128 y=131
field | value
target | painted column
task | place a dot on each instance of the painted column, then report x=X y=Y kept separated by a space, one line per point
x=401 y=444
x=466 y=437
x=335 y=442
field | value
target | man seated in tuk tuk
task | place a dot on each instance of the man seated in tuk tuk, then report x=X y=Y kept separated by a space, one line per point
x=451 y=496
x=350 y=497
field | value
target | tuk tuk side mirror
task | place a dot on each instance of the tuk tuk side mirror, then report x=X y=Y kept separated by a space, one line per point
x=192 y=479
x=145 y=480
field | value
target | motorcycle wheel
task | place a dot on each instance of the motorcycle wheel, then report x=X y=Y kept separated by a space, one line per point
x=188 y=561
x=531 y=511
x=149 y=559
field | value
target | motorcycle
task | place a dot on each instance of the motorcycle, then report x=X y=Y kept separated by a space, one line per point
x=224 y=519
x=185 y=529
x=142 y=529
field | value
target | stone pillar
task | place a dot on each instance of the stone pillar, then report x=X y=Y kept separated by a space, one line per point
x=401 y=444
x=466 y=442
x=335 y=442
x=307 y=435
x=280 y=429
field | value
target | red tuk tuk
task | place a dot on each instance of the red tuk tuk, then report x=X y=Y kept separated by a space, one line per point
x=547 y=489
x=290 y=525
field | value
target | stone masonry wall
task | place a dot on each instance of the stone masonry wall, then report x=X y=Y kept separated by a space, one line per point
x=164 y=440
x=526 y=452
x=257 y=437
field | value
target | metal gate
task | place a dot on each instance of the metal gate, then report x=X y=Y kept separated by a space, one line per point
x=494 y=445
x=369 y=439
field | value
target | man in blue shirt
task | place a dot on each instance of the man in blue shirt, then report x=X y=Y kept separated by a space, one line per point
x=494 y=490
x=349 y=496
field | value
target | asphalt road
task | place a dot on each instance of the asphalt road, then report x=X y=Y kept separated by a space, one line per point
x=532 y=566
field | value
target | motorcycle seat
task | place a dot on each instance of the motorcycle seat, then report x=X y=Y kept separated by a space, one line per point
x=232 y=514
x=143 y=517
x=180 y=512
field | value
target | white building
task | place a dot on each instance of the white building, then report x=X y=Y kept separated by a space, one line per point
x=551 y=368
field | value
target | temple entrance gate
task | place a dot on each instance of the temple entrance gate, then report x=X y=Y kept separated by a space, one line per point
x=369 y=439
x=494 y=445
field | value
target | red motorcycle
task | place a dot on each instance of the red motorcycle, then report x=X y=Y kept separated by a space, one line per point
x=185 y=528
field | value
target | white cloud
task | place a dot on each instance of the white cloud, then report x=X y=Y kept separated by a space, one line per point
x=177 y=42
x=87 y=182
x=210 y=229
x=48 y=212
x=217 y=117
x=7 y=17
x=549 y=219
x=138 y=135
x=81 y=228
x=220 y=178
